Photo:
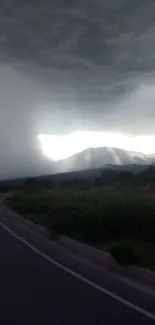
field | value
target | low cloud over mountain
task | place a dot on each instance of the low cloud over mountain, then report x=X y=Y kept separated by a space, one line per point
x=98 y=157
x=67 y=66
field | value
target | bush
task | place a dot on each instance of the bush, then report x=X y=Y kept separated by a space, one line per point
x=94 y=216
x=123 y=252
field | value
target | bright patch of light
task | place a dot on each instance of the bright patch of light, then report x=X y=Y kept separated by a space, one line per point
x=59 y=147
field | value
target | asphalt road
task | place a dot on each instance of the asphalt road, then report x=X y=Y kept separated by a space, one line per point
x=34 y=289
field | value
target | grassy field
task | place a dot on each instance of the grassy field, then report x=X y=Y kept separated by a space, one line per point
x=96 y=216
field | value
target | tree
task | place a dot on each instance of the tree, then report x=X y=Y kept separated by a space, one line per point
x=31 y=183
x=46 y=183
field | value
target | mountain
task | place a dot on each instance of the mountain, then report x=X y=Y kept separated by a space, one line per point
x=89 y=174
x=99 y=157
x=152 y=157
x=84 y=165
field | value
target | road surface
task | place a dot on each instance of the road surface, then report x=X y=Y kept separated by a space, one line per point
x=41 y=285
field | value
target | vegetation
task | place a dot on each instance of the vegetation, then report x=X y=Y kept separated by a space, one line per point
x=115 y=176
x=97 y=216
x=123 y=252
x=124 y=207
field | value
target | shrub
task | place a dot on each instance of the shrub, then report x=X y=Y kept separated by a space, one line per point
x=123 y=252
x=94 y=216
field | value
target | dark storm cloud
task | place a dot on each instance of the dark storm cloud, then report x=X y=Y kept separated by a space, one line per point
x=63 y=35
x=67 y=65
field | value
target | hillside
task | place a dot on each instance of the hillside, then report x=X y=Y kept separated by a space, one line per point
x=98 y=157
x=87 y=165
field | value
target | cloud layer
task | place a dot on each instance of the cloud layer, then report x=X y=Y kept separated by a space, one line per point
x=67 y=66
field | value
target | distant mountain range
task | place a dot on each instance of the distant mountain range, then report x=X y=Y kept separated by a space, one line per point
x=99 y=157
x=89 y=163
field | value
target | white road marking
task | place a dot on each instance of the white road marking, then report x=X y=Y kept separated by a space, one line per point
x=78 y=276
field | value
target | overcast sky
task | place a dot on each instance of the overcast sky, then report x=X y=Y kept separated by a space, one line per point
x=73 y=65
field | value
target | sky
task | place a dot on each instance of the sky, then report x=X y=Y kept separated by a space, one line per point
x=74 y=66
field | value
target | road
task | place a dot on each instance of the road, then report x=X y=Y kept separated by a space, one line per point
x=41 y=285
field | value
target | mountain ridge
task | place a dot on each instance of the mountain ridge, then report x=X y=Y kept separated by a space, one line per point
x=98 y=157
